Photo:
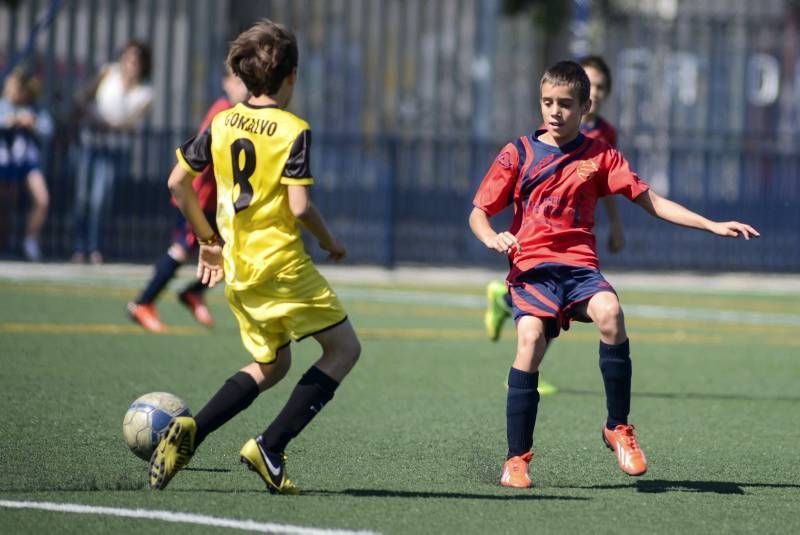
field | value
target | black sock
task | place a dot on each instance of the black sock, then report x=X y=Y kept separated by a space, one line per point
x=165 y=270
x=615 y=365
x=197 y=287
x=521 y=408
x=312 y=392
x=233 y=397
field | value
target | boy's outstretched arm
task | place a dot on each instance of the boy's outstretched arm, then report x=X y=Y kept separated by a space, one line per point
x=209 y=260
x=673 y=212
x=302 y=208
x=616 y=236
x=502 y=242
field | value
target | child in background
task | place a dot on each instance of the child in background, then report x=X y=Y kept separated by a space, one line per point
x=24 y=128
x=143 y=310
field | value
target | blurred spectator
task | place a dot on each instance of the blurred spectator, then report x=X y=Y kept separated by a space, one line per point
x=109 y=110
x=23 y=128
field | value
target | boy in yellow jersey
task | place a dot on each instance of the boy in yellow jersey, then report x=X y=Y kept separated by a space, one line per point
x=260 y=154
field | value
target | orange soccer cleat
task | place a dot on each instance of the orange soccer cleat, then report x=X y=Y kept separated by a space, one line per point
x=194 y=302
x=622 y=441
x=515 y=471
x=146 y=315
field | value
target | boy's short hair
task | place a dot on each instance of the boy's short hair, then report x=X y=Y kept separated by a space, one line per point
x=263 y=56
x=597 y=62
x=568 y=73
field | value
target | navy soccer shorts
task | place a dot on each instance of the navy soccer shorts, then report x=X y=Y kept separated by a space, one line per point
x=552 y=291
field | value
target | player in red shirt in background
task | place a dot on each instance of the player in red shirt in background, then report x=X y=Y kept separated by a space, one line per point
x=498 y=298
x=143 y=310
x=553 y=178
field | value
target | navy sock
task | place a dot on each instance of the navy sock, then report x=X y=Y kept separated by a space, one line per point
x=507 y=299
x=615 y=365
x=165 y=270
x=197 y=287
x=521 y=408
x=233 y=397
x=312 y=392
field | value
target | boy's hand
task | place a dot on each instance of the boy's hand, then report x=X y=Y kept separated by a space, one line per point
x=209 y=264
x=336 y=250
x=733 y=229
x=616 y=239
x=503 y=242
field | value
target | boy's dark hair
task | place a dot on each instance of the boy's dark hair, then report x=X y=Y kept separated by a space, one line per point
x=263 y=56
x=145 y=57
x=568 y=73
x=597 y=62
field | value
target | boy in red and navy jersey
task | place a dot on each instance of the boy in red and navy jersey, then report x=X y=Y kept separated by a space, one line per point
x=143 y=310
x=498 y=298
x=553 y=179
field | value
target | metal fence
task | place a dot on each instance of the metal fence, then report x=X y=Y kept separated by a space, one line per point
x=410 y=99
x=707 y=108
x=66 y=42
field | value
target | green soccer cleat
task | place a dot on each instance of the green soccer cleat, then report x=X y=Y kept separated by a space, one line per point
x=271 y=467
x=546 y=388
x=497 y=311
x=174 y=451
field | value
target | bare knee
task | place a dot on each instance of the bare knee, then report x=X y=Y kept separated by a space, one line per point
x=610 y=321
x=347 y=350
x=531 y=344
x=37 y=186
x=177 y=253
x=268 y=375
x=340 y=345
x=339 y=356
x=528 y=341
x=42 y=200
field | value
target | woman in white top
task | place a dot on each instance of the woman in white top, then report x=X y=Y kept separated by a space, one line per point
x=114 y=105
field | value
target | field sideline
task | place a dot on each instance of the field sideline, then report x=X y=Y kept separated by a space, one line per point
x=414 y=440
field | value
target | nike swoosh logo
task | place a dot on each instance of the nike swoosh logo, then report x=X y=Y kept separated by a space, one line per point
x=274 y=470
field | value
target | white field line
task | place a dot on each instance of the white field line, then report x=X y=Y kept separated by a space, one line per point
x=181 y=518
x=642 y=311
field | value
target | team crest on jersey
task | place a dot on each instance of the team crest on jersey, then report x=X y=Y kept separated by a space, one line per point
x=504 y=160
x=587 y=169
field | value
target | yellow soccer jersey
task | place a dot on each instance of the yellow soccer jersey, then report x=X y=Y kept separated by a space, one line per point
x=256 y=152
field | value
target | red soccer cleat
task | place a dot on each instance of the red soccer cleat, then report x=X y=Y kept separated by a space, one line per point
x=194 y=302
x=622 y=441
x=515 y=471
x=146 y=315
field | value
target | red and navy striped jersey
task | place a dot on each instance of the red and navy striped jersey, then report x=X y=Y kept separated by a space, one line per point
x=554 y=191
x=600 y=129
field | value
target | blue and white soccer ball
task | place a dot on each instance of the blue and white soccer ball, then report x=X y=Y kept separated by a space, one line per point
x=147 y=420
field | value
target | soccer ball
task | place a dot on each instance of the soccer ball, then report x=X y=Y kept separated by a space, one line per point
x=147 y=420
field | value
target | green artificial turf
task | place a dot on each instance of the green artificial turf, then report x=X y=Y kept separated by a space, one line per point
x=414 y=439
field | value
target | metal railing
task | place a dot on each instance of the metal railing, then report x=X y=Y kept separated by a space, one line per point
x=411 y=99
